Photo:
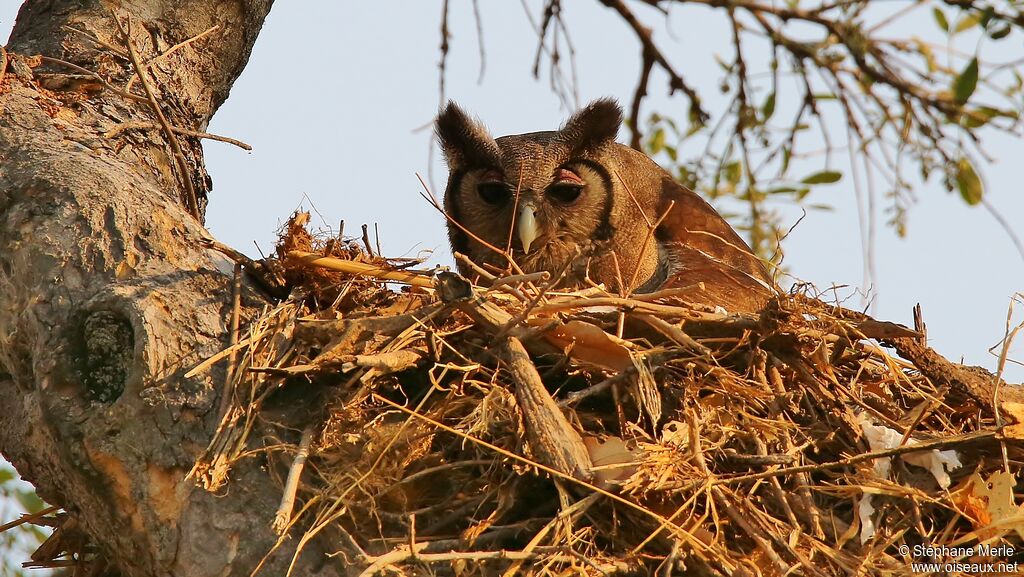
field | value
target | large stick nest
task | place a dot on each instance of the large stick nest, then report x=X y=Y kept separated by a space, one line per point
x=453 y=428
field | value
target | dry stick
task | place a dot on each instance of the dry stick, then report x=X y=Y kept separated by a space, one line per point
x=98 y=40
x=801 y=479
x=231 y=253
x=136 y=125
x=922 y=446
x=404 y=554
x=366 y=241
x=532 y=304
x=1008 y=337
x=698 y=453
x=698 y=545
x=780 y=494
x=515 y=213
x=291 y=485
x=939 y=370
x=430 y=198
x=430 y=471
x=473 y=266
x=673 y=332
x=552 y=438
x=191 y=200
x=28 y=518
x=739 y=320
x=484 y=274
x=577 y=396
x=205 y=365
x=647 y=240
x=646 y=65
x=360 y=268
x=174 y=49
x=571 y=512
x=98 y=78
x=668 y=293
x=236 y=308
x=332 y=512
x=391 y=361
x=540 y=276
x=568 y=514
x=643 y=34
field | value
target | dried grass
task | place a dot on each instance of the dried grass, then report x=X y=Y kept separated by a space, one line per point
x=714 y=444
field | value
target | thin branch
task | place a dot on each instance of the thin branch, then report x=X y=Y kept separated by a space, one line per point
x=284 y=511
x=480 y=39
x=174 y=49
x=191 y=200
x=939 y=444
x=1005 y=225
x=137 y=125
x=99 y=78
x=651 y=50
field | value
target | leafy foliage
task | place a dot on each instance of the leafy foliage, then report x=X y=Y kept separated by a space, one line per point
x=886 y=95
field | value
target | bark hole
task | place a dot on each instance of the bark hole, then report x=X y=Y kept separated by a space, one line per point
x=103 y=355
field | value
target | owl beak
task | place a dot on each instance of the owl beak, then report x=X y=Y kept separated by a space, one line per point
x=526 y=224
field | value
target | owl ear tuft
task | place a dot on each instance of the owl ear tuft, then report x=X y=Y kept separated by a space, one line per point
x=592 y=127
x=464 y=140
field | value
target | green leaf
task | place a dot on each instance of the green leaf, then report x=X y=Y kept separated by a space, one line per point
x=787 y=154
x=657 y=142
x=731 y=172
x=986 y=16
x=966 y=82
x=30 y=501
x=693 y=114
x=768 y=108
x=971 y=189
x=672 y=153
x=823 y=177
x=926 y=52
x=940 y=18
x=722 y=63
x=6 y=475
x=966 y=22
x=1001 y=32
x=981 y=116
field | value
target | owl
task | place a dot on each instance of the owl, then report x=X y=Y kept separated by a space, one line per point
x=577 y=204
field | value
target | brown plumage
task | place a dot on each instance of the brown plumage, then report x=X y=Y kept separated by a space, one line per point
x=552 y=195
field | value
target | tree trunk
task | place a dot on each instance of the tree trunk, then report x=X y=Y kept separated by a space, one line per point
x=109 y=297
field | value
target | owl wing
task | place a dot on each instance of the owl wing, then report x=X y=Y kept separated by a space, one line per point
x=698 y=245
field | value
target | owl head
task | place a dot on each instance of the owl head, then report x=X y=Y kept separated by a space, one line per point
x=542 y=198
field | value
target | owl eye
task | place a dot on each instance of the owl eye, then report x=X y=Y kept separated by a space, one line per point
x=494 y=193
x=565 y=192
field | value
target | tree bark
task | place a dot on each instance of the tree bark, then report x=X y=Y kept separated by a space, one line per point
x=108 y=295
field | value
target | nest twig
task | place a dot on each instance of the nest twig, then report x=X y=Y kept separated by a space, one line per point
x=488 y=430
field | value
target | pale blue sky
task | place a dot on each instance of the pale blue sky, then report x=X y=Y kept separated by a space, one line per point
x=336 y=95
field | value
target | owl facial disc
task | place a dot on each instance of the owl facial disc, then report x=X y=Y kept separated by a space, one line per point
x=576 y=204
x=526 y=225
